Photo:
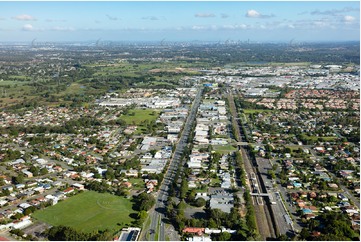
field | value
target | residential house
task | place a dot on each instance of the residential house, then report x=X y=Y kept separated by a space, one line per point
x=193 y=230
x=78 y=186
x=68 y=190
x=27 y=173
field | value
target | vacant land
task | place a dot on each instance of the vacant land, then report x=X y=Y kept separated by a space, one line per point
x=142 y=118
x=251 y=111
x=139 y=116
x=89 y=211
x=325 y=138
x=224 y=149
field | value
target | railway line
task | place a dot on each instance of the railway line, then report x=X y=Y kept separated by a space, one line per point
x=265 y=226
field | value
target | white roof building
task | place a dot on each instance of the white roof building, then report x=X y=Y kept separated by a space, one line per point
x=200 y=239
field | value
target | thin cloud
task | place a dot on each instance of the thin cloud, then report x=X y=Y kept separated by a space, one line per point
x=111 y=17
x=321 y=24
x=334 y=12
x=57 y=28
x=150 y=18
x=204 y=27
x=234 y=26
x=2 y=18
x=204 y=15
x=55 y=20
x=28 y=27
x=223 y=15
x=216 y=27
x=199 y=27
x=327 y=22
x=91 y=29
x=254 y=14
x=316 y=24
x=348 y=19
x=24 y=17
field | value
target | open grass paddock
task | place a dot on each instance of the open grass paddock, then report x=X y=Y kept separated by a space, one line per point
x=88 y=211
x=137 y=116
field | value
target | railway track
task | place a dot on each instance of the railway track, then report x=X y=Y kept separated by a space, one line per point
x=263 y=216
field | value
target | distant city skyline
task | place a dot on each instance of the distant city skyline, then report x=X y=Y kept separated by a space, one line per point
x=268 y=21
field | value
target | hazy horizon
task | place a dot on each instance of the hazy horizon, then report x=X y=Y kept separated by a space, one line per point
x=265 y=22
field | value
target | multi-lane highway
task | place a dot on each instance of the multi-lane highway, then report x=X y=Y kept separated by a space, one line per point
x=157 y=226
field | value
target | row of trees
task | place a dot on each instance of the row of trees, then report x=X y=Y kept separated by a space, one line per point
x=252 y=231
x=71 y=126
x=66 y=233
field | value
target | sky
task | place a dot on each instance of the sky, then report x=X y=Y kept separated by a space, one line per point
x=260 y=21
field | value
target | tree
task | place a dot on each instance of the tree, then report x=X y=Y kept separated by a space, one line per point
x=29 y=210
x=200 y=202
x=142 y=215
x=17 y=216
x=323 y=185
x=268 y=147
x=282 y=237
x=153 y=152
x=287 y=150
x=18 y=179
x=304 y=234
x=64 y=233
x=217 y=215
x=5 y=192
x=183 y=189
x=191 y=196
x=17 y=232
x=212 y=223
x=121 y=191
x=144 y=202
x=43 y=171
x=216 y=157
x=224 y=236
x=105 y=235
x=181 y=205
x=109 y=175
x=336 y=224
x=34 y=170
x=272 y=174
x=233 y=218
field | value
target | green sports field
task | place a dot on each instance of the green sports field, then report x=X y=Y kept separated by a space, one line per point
x=137 y=116
x=89 y=211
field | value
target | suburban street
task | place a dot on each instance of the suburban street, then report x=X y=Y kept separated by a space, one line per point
x=157 y=224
